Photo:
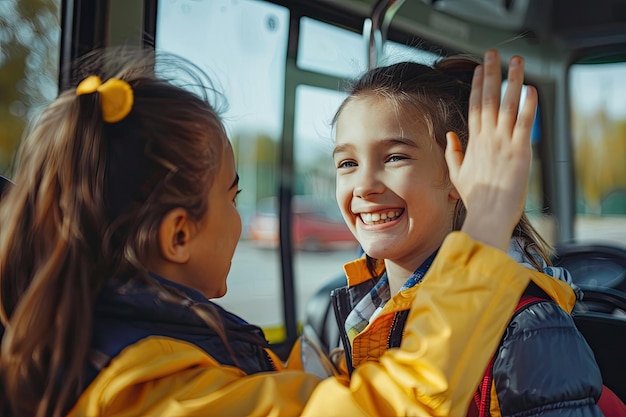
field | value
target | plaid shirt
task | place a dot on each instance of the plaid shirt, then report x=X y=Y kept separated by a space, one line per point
x=372 y=304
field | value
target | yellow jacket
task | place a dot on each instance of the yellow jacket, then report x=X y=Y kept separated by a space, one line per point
x=445 y=349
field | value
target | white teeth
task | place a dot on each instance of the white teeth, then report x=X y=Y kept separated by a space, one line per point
x=377 y=218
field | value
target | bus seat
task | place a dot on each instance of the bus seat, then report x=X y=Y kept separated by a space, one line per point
x=320 y=324
x=593 y=265
x=606 y=335
x=602 y=300
x=600 y=272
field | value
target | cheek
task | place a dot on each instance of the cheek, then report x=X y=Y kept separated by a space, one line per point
x=343 y=188
x=239 y=225
x=235 y=225
x=343 y=194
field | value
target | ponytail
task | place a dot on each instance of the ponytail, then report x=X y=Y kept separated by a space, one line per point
x=49 y=264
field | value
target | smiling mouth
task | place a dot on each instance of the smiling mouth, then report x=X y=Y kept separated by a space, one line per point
x=381 y=217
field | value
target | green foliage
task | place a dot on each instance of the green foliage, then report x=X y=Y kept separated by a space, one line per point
x=29 y=59
x=599 y=155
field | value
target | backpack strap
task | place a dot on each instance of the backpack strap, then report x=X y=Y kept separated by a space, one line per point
x=482 y=396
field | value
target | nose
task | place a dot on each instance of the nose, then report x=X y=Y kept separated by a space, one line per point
x=368 y=184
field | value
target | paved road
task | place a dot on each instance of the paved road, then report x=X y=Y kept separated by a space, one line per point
x=254 y=282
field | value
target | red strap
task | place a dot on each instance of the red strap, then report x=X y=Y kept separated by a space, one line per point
x=610 y=404
x=483 y=392
x=482 y=396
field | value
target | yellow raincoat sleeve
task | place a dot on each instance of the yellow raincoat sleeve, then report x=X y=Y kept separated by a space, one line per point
x=454 y=326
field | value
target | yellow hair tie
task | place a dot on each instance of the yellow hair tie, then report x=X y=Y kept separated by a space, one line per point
x=116 y=96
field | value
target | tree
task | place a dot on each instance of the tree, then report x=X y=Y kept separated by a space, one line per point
x=29 y=60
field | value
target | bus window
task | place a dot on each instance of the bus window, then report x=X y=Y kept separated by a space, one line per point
x=322 y=239
x=242 y=46
x=598 y=120
x=534 y=206
x=29 y=67
x=394 y=52
x=330 y=50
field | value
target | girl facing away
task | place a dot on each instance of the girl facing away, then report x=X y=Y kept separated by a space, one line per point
x=122 y=227
x=400 y=201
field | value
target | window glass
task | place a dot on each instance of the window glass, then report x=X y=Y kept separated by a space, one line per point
x=535 y=204
x=322 y=239
x=242 y=45
x=330 y=50
x=598 y=118
x=29 y=60
x=313 y=145
x=534 y=198
x=394 y=52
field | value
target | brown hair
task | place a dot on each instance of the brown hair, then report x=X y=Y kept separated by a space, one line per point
x=88 y=205
x=440 y=95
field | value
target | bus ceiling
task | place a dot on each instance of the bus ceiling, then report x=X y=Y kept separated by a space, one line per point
x=542 y=31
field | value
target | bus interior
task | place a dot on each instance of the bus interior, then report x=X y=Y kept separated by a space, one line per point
x=282 y=66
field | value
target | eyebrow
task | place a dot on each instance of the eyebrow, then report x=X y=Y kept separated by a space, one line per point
x=236 y=182
x=385 y=142
x=342 y=148
x=401 y=141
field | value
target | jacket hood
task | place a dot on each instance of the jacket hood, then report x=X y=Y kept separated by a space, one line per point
x=561 y=288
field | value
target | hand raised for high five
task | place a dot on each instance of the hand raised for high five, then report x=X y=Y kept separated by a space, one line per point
x=492 y=176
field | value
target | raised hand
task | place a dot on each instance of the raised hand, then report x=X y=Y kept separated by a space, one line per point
x=492 y=176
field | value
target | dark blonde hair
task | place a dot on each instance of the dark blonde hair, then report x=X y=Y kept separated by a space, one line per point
x=88 y=203
x=439 y=94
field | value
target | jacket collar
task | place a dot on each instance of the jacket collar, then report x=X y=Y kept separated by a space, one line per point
x=556 y=282
x=357 y=272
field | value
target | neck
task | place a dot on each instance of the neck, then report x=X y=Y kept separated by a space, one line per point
x=399 y=272
x=397 y=275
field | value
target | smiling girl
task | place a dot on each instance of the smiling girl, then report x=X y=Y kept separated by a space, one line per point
x=399 y=199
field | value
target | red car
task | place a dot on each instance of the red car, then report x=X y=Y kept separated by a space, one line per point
x=316 y=226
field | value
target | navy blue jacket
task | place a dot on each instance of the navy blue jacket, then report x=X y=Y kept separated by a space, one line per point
x=127 y=313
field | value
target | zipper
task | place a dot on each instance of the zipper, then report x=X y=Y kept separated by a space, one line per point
x=270 y=361
x=342 y=307
x=396 y=331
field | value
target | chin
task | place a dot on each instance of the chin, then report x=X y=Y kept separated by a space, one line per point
x=377 y=250
x=219 y=293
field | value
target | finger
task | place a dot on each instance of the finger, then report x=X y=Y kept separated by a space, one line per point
x=510 y=103
x=492 y=85
x=475 y=100
x=453 y=155
x=525 y=119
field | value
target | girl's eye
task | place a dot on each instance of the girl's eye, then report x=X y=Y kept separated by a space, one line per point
x=394 y=158
x=346 y=164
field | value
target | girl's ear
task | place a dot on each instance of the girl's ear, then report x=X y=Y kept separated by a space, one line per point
x=175 y=233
